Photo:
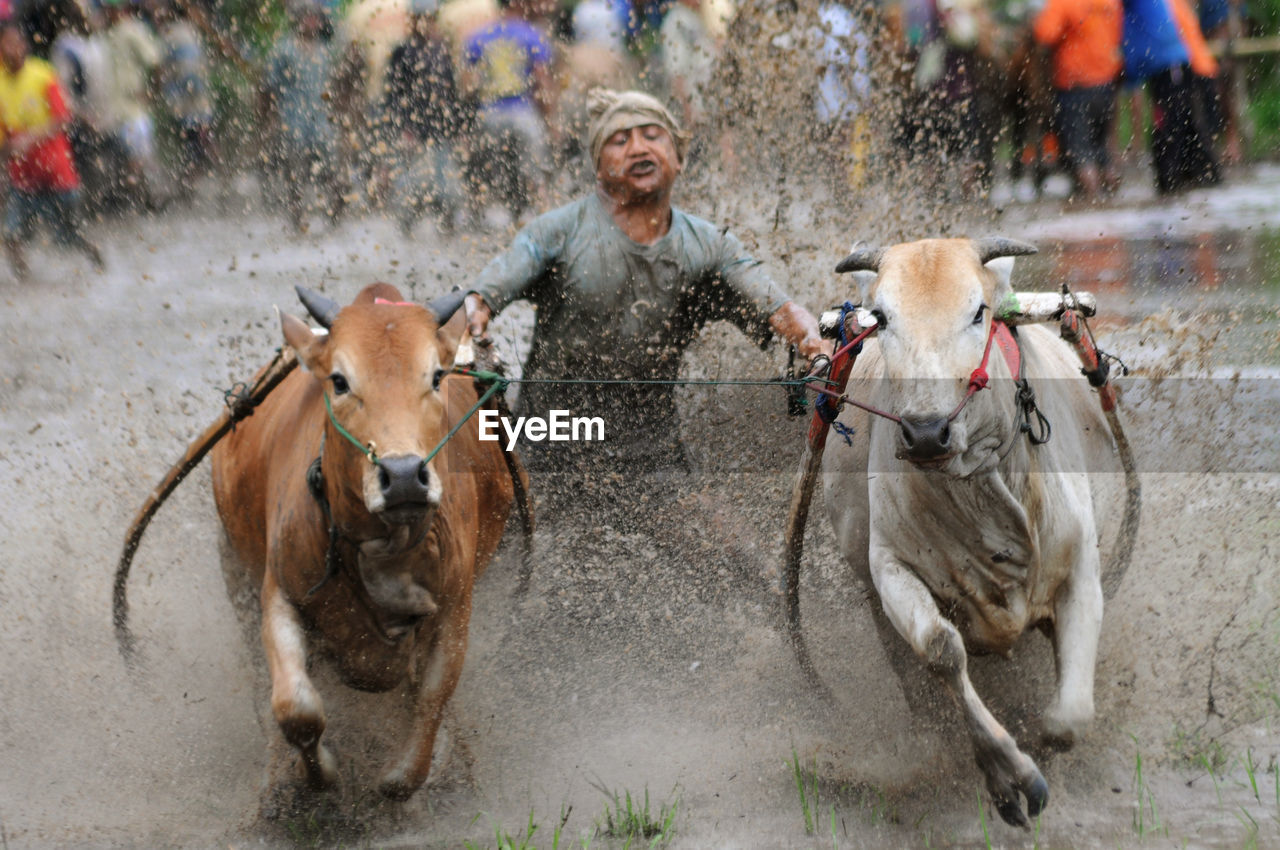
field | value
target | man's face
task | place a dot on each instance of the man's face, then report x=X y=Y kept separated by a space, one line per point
x=638 y=162
x=13 y=48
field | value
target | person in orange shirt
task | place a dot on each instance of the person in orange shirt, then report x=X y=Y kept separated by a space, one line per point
x=42 y=177
x=1084 y=37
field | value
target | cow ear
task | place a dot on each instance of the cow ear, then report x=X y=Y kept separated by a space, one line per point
x=1003 y=269
x=299 y=336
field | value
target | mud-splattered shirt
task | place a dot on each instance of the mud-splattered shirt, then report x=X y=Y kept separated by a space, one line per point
x=608 y=307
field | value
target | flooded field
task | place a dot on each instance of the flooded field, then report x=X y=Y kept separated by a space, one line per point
x=648 y=657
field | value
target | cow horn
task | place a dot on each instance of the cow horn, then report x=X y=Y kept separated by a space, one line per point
x=321 y=307
x=445 y=306
x=863 y=259
x=992 y=247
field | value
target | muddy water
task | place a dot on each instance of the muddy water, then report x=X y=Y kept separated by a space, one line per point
x=647 y=656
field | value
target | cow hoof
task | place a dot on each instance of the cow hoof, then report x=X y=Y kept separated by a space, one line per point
x=397 y=787
x=320 y=768
x=1037 y=793
x=1058 y=740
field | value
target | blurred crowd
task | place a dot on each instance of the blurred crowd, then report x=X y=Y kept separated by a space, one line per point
x=444 y=108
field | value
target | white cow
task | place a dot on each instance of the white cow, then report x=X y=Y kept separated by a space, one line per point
x=953 y=509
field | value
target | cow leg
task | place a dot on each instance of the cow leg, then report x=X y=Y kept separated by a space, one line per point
x=1077 y=625
x=440 y=674
x=914 y=613
x=295 y=704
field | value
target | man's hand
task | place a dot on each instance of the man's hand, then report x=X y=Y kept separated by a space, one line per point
x=801 y=329
x=478 y=316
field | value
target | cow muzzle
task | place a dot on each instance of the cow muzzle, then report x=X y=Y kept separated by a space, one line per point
x=925 y=441
x=405 y=488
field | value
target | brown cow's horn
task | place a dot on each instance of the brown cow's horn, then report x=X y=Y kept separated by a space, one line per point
x=992 y=247
x=322 y=308
x=445 y=306
x=863 y=259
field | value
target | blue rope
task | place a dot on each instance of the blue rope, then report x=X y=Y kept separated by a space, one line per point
x=844 y=431
x=824 y=405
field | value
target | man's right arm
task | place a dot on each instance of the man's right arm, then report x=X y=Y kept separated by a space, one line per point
x=511 y=275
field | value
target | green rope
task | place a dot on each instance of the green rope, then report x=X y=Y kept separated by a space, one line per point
x=367 y=451
x=499 y=383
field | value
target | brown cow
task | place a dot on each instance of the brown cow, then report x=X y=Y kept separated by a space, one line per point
x=375 y=556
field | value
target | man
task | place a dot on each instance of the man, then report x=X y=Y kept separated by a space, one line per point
x=507 y=66
x=688 y=58
x=1156 y=54
x=134 y=55
x=295 y=98
x=184 y=83
x=1084 y=38
x=43 y=179
x=623 y=282
x=424 y=118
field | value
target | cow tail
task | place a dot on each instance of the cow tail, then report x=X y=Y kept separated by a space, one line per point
x=793 y=554
x=239 y=405
x=1127 y=539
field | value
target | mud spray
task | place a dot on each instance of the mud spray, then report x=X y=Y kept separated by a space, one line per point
x=648 y=656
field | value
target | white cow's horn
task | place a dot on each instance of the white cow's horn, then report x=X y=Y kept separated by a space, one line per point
x=992 y=247
x=863 y=259
x=322 y=308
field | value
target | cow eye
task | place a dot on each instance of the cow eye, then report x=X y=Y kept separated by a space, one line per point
x=436 y=379
x=340 y=385
x=881 y=321
x=977 y=317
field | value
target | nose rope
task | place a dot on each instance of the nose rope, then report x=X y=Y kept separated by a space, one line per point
x=367 y=451
x=978 y=378
x=499 y=384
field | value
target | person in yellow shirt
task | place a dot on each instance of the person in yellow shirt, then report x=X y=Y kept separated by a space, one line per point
x=43 y=182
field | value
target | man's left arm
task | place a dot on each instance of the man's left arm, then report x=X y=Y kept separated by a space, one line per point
x=798 y=326
x=753 y=287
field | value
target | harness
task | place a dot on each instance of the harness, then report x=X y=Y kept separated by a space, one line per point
x=832 y=397
x=315 y=485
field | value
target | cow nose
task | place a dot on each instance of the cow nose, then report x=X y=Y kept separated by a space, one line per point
x=404 y=480
x=925 y=439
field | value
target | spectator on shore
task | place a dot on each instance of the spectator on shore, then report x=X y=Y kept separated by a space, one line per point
x=1084 y=38
x=294 y=101
x=1219 y=24
x=844 y=91
x=425 y=118
x=43 y=182
x=688 y=53
x=596 y=57
x=184 y=86
x=1155 y=54
x=507 y=65
x=133 y=54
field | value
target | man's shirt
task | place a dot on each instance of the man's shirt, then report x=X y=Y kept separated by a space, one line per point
x=133 y=53
x=506 y=52
x=31 y=101
x=1084 y=36
x=611 y=308
x=422 y=98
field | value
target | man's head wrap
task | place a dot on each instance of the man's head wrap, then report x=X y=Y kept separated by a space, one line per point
x=612 y=111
